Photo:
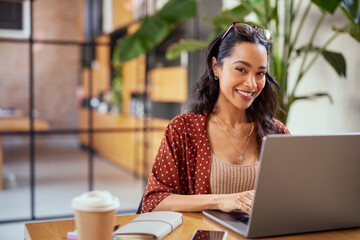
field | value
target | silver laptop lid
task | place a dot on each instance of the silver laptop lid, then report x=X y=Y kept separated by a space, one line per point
x=307 y=183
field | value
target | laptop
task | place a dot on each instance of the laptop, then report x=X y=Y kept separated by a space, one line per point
x=304 y=184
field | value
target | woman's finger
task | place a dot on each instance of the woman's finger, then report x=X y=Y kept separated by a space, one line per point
x=245 y=200
x=250 y=194
x=249 y=199
x=244 y=208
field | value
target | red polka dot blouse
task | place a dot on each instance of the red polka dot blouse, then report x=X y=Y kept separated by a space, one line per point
x=182 y=164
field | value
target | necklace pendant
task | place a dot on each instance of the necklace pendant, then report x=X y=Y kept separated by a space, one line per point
x=241 y=158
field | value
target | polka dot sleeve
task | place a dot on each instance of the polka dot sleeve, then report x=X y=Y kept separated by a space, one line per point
x=164 y=178
x=281 y=127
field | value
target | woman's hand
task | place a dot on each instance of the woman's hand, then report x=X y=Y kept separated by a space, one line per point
x=237 y=201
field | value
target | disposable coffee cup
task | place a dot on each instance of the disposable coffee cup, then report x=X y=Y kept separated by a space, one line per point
x=95 y=215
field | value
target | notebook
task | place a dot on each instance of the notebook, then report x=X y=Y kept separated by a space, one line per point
x=151 y=225
x=304 y=184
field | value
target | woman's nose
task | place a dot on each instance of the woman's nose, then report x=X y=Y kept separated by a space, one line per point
x=250 y=81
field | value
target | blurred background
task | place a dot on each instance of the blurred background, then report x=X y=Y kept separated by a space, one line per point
x=87 y=88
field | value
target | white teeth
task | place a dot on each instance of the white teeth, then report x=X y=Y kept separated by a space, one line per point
x=244 y=93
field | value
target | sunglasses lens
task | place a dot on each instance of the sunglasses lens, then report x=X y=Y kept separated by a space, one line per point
x=246 y=29
x=267 y=35
x=243 y=28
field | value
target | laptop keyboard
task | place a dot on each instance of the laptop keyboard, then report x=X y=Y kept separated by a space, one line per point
x=236 y=220
x=239 y=216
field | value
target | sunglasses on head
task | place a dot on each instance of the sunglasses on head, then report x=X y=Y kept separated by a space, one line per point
x=248 y=30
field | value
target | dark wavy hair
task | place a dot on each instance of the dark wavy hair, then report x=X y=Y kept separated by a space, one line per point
x=206 y=90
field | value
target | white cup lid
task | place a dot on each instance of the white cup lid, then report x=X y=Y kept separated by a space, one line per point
x=95 y=201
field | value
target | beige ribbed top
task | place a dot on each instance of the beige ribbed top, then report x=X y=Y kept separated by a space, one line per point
x=228 y=178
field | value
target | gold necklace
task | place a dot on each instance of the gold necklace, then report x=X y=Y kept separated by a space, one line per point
x=241 y=156
x=233 y=132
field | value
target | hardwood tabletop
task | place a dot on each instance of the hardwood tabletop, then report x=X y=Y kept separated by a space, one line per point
x=57 y=230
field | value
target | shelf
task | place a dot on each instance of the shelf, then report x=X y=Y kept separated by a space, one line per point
x=169 y=84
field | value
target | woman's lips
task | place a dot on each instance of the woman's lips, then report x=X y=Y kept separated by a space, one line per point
x=245 y=94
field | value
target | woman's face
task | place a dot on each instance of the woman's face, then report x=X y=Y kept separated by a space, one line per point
x=242 y=75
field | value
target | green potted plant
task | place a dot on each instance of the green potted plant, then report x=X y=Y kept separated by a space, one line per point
x=154 y=29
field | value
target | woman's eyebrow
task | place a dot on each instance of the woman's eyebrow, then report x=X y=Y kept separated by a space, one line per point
x=248 y=64
x=243 y=62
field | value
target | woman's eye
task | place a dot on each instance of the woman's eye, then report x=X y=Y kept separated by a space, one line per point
x=261 y=73
x=241 y=70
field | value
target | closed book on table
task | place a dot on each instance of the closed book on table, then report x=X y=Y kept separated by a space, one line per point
x=152 y=225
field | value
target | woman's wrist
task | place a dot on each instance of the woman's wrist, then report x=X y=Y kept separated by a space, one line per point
x=214 y=201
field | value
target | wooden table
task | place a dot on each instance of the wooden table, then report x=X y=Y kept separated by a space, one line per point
x=17 y=124
x=57 y=230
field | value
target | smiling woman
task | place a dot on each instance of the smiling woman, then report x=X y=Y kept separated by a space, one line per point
x=208 y=158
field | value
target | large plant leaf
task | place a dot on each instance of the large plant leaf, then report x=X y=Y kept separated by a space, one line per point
x=221 y=22
x=227 y=17
x=351 y=10
x=336 y=60
x=327 y=5
x=314 y=96
x=236 y=14
x=261 y=8
x=188 y=45
x=155 y=29
x=239 y=11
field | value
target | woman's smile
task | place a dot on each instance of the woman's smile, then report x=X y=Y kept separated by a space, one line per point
x=247 y=95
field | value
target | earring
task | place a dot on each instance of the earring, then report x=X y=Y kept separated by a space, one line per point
x=216 y=78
